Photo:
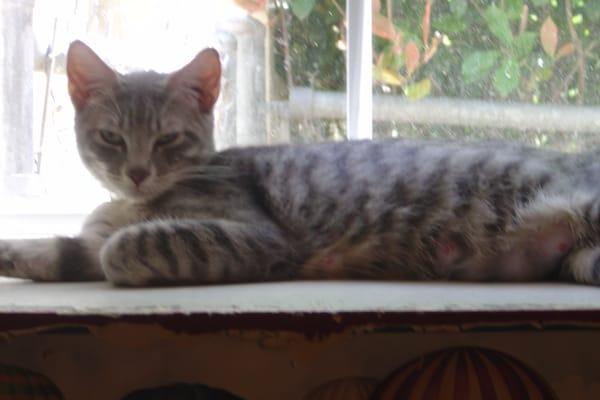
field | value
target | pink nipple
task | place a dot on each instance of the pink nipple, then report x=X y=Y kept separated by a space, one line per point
x=563 y=247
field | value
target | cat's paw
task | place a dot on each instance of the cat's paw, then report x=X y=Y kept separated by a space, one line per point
x=124 y=260
x=584 y=265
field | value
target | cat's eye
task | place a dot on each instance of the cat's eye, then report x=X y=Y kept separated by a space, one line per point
x=111 y=138
x=167 y=139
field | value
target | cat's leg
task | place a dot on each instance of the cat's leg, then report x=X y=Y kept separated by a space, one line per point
x=67 y=258
x=583 y=263
x=569 y=227
x=542 y=235
x=583 y=266
x=51 y=259
x=197 y=251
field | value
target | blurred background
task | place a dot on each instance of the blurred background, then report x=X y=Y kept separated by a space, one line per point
x=523 y=70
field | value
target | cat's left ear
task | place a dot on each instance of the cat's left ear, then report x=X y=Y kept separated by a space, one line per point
x=87 y=73
x=201 y=78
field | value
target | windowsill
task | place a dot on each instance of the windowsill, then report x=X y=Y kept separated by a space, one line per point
x=17 y=296
x=308 y=307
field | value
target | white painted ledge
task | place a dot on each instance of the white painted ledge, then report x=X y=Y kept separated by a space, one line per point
x=294 y=297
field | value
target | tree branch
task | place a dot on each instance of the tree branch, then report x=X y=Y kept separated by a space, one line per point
x=287 y=61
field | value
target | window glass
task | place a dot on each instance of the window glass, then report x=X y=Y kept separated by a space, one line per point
x=524 y=70
x=308 y=44
x=44 y=187
x=274 y=55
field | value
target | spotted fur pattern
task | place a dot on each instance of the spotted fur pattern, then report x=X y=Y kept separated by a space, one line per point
x=365 y=209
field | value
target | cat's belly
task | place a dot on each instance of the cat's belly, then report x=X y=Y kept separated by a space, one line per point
x=531 y=257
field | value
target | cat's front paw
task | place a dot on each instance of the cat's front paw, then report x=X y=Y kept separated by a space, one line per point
x=125 y=261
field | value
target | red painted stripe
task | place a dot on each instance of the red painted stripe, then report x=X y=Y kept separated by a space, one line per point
x=485 y=380
x=537 y=381
x=462 y=380
x=511 y=379
x=434 y=390
x=448 y=379
x=405 y=390
x=388 y=388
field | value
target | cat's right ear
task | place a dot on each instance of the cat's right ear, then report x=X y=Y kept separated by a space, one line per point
x=86 y=73
x=200 y=79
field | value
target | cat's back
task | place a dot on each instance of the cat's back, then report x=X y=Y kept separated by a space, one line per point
x=322 y=187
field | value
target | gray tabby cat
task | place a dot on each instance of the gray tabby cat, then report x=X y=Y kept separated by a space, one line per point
x=371 y=209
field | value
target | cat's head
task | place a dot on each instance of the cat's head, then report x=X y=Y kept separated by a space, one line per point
x=139 y=133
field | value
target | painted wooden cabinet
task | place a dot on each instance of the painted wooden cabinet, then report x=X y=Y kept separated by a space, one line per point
x=302 y=340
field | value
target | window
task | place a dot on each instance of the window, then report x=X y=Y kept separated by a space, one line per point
x=525 y=70
x=44 y=188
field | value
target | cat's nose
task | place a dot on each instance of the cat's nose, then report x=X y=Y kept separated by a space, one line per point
x=138 y=175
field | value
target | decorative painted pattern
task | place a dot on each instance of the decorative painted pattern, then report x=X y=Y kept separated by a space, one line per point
x=465 y=373
x=21 y=384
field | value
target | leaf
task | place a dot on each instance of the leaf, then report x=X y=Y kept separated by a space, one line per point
x=418 y=90
x=523 y=45
x=302 y=8
x=497 y=22
x=507 y=77
x=411 y=57
x=539 y=3
x=478 y=64
x=565 y=50
x=387 y=76
x=390 y=59
x=544 y=69
x=458 y=7
x=544 y=74
x=514 y=8
x=450 y=24
x=592 y=11
x=383 y=28
x=549 y=36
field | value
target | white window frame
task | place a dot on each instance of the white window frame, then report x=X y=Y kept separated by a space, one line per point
x=359 y=70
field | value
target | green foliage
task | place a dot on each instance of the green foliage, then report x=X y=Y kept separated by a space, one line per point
x=418 y=90
x=497 y=22
x=507 y=77
x=458 y=7
x=478 y=64
x=490 y=49
x=301 y=8
x=513 y=8
x=522 y=45
x=315 y=59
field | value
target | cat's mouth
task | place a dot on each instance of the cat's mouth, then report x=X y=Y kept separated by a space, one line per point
x=143 y=192
x=137 y=193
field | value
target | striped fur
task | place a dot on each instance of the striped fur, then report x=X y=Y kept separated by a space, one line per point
x=367 y=209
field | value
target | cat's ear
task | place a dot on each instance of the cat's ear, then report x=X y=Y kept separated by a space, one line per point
x=201 y=78
x=86 y=73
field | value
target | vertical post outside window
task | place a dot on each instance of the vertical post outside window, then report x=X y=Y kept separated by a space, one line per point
x=359 y=74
